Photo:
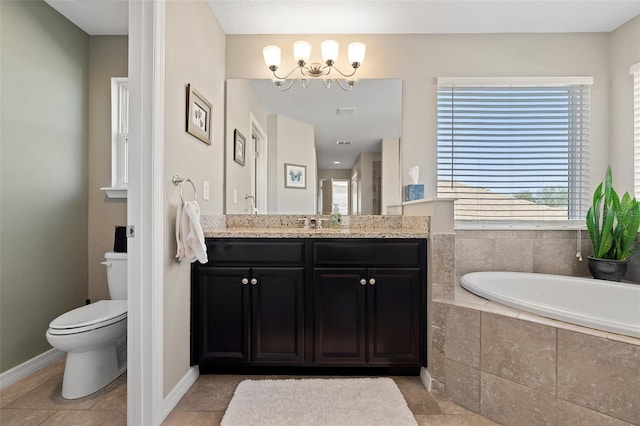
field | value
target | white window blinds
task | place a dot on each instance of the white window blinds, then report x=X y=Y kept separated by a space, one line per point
x=635 y=72
x=514 y=152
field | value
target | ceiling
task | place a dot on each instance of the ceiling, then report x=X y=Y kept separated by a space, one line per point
x=109 y=17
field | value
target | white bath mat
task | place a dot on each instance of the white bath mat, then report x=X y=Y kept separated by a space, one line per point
x=307 y=402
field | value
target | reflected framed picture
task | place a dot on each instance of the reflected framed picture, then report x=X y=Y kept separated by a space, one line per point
x=198 y=115
x=295 y=176
x=238 y=147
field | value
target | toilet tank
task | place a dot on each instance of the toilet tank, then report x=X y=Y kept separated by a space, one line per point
x=116 y=264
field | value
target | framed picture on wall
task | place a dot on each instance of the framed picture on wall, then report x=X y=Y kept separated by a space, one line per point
x=295 y=176
x=198 y=115
x=238 y=147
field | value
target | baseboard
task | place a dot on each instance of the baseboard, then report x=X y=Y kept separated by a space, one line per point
x=21 y=371
x=425 y=378
x=178 y=391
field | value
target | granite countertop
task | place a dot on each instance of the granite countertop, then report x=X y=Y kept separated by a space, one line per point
x=289 y=226
x=312 y=233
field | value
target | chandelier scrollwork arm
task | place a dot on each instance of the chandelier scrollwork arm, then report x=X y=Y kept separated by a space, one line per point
x=302 y=52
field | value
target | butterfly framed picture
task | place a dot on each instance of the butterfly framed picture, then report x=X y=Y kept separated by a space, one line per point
x=295 y=176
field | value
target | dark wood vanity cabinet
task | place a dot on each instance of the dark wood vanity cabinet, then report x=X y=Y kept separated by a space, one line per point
x=248 y=304
x=372 y=314
x=367 y=316
x=310 y=302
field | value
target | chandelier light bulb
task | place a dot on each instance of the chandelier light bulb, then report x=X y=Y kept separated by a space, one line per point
x=272 y=56
x=301 y=52
x=328 y=72
x=329 y=50
x=356 y=53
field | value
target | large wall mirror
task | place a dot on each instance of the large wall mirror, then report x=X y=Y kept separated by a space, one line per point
x=311 y=149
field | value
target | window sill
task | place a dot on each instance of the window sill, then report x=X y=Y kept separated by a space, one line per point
x=542 y=225
x=115 y=192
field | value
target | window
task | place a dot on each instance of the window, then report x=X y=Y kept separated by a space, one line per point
x=340 y=195
x=635 y=71
x=514 y=151
x=119 y=138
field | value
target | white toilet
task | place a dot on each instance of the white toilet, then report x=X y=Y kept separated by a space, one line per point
x=94 y=336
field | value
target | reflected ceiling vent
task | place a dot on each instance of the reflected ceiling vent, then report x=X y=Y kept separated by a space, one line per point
x=343 y=142
x=346 y=111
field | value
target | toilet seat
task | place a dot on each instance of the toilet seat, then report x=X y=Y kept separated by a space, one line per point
x=89 y=317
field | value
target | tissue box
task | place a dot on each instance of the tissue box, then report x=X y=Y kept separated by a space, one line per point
x=413 y=192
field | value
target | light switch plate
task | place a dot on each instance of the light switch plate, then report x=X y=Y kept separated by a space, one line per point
x=205 y=190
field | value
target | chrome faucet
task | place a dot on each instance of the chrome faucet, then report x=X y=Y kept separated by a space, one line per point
x=252 y=204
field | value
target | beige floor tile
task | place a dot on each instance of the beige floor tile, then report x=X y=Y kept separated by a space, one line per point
x=453 y=420
x=87 y=418
x=449 y=407
x=210 y=393
x=114 y=396
x=16 y=417
x=193 y=418
x=29 y=383
x=49 y=396
x=418 y=398
x=37 y=400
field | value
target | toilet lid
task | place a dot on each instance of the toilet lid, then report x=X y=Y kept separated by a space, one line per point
x=99 y=313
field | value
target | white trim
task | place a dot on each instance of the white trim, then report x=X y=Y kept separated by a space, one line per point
x=260 y=191
x=514 y=81
x=145 y=212
x=115 y=192
x=425 y=378
x=634 y=68
x=524 y=225
x=119 y=131
x=179 y=390
x=30 y=366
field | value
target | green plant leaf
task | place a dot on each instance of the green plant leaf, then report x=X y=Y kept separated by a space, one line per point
x=613 y=222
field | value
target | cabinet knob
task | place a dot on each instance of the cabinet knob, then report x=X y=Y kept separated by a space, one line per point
x=372 y=281
x=254 y=281
x=363 y=281
x=245 y=281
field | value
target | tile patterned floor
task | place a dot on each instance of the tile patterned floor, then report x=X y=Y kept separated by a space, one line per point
x=36 y=400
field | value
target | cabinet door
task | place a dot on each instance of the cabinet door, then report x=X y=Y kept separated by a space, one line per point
x=277 y=308
x=224 y=315
x=394 y=316
x=339 y=314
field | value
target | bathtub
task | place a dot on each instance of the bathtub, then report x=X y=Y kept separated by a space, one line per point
x=603 y=305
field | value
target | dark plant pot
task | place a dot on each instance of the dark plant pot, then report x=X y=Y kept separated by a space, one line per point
x=607 y=269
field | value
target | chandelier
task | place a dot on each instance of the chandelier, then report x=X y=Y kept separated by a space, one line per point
x=302 y=53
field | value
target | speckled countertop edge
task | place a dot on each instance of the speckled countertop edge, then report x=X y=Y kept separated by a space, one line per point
x=288 y=226
x=310 y=233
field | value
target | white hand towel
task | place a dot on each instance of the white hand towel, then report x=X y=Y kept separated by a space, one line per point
x=194 y=237
x=179 y=237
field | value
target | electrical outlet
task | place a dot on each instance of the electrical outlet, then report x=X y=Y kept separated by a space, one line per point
x=205 y=190
x=235 y=196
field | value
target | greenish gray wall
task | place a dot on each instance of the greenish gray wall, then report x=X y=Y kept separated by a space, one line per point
x=107 y=58
x=43 y=170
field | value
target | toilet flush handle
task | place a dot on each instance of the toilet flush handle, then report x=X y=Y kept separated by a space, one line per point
x=107 y=264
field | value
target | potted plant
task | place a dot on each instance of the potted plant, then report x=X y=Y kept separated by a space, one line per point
x=612 y=223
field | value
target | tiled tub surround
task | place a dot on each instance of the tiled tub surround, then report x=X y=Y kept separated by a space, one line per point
x=519 y=368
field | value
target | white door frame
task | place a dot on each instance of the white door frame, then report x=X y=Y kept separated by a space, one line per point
x=145 y=213
x=259 y=190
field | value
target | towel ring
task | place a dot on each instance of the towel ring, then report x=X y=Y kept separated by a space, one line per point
x=177 y=180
